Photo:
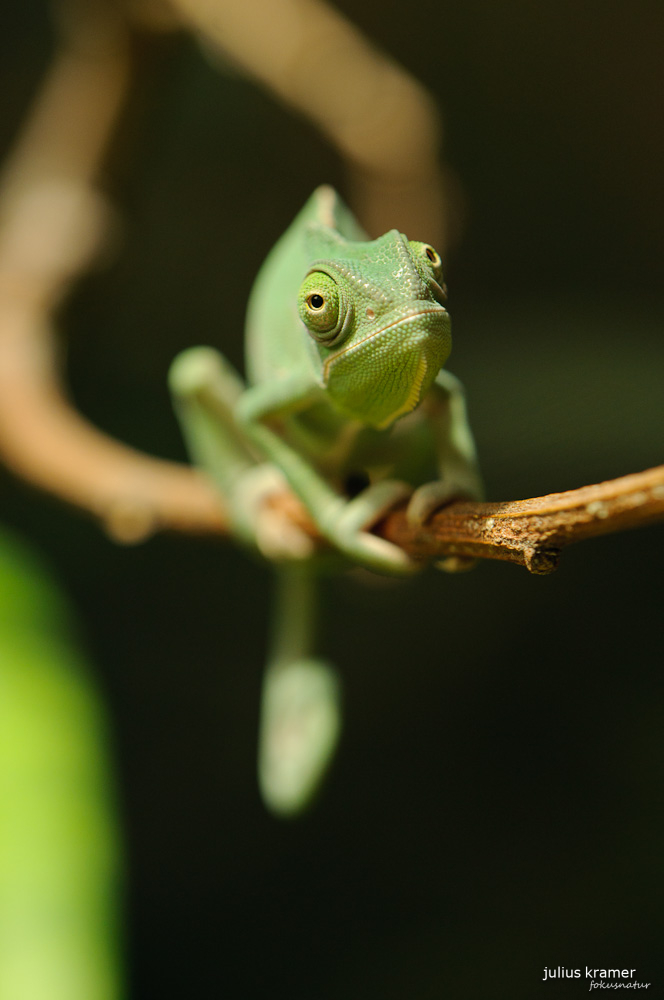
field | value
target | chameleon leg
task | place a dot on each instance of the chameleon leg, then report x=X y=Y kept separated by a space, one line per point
x=300 y=710
x=205 y=391
x=368 y=507
x=456 y=459
x=300 y=717
x=459 y=476
x=341 y=521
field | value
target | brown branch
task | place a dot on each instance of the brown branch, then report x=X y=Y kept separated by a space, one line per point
x=51 y=220
x=381 y=120
x=532 y=532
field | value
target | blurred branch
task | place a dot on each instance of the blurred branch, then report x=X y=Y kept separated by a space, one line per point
x=381 y=120
x=51 y=222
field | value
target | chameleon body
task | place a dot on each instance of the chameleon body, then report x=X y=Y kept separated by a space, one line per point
x=347 y=404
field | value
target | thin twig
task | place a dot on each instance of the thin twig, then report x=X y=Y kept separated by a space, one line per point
x=51 y=219
x=381 y=120
x=532 y=532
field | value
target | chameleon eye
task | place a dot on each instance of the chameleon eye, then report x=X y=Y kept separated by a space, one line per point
x=433 y=256
x=429 y=256
x=431 y=267
x=321 y=307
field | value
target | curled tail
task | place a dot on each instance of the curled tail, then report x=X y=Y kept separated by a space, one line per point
x=300 y=710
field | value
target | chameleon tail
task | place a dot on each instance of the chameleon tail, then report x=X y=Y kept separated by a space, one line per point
x=300 y=709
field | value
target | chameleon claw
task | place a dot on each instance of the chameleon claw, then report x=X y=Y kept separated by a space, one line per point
x=274 y=533
x=378 y=554
x=430 y=496
x=373 y=503
x=348 y=528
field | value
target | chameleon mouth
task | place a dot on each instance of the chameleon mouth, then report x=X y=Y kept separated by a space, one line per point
x=375 y=335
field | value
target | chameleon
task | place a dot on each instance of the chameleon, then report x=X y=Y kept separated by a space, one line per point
x=347 y=404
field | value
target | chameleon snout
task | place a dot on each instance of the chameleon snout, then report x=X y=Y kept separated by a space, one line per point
x=386 y=373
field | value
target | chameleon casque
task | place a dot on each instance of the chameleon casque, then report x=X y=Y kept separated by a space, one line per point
x=346 y=403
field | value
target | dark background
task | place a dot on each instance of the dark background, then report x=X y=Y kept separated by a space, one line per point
x=496 y=806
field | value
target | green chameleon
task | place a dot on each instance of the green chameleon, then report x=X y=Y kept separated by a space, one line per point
x=347 y=405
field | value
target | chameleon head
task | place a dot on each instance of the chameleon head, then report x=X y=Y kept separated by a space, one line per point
x=375 y=313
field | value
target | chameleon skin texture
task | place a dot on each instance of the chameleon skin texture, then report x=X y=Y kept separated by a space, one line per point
x=383 y=391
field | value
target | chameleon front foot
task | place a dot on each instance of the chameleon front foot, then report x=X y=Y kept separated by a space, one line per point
x=348 y=528
x=430 y=496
